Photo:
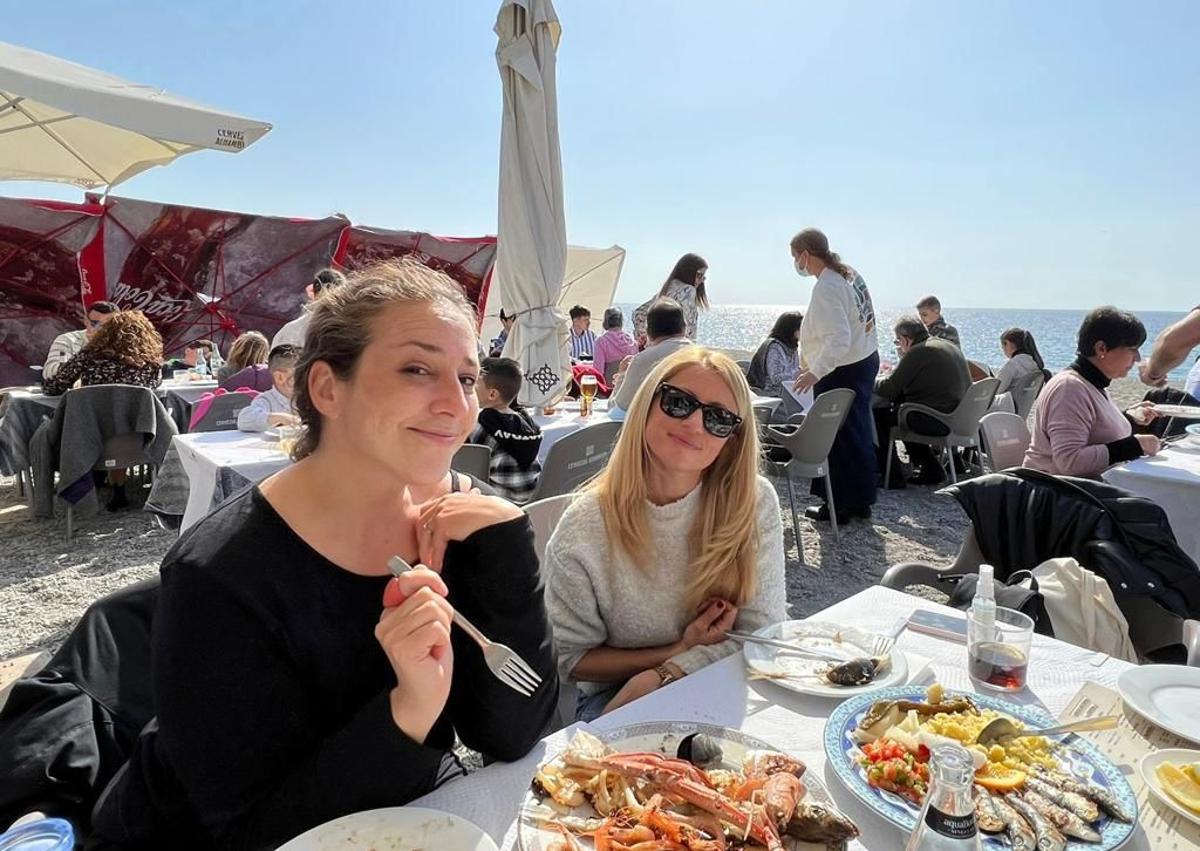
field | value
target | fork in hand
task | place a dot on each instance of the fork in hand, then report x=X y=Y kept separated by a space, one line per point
x=502 y=661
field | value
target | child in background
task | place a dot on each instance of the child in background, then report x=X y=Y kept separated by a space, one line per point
x=507 y=429
x=273 y=407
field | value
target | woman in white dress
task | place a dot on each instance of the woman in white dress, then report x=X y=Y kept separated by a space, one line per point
x=686 y=285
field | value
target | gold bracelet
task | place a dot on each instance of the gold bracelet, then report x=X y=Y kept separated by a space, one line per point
x=664 y=674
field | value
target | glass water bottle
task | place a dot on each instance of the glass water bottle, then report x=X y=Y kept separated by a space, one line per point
x=947 y=821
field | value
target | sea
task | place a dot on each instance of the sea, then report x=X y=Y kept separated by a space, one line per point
x=744 y=326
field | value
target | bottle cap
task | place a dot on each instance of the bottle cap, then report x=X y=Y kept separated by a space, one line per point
x=986 y=588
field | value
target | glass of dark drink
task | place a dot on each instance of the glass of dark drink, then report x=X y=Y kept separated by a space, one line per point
x=998 y=652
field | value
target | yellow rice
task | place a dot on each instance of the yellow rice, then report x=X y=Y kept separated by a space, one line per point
x=1021 y=754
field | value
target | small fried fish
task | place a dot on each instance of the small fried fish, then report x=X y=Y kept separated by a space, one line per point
x=1069 y=823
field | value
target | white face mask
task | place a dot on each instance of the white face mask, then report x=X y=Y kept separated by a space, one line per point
x=800 y=270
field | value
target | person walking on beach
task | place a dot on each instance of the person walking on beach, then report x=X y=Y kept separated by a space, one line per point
x=685 y=285
x=838 y=349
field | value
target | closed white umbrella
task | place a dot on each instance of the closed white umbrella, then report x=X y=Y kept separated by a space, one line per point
x=531 y=253
x=64 y=122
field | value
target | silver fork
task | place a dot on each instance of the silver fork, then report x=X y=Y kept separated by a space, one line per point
x=502 y=661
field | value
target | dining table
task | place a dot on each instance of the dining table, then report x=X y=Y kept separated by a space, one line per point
x=721 y=694
x=1172 y=479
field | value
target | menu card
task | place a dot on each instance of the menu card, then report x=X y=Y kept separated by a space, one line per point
x=1125 y=745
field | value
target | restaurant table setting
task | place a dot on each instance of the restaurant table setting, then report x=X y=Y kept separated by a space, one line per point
x=742 y=702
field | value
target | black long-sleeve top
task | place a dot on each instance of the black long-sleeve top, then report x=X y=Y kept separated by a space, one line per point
x=273 y=695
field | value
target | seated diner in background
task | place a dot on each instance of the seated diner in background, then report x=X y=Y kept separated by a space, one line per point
x=613 y=346
x=292 y=333
x=1021 y=358
x=274 y=407
x=1078 y=430
x=295 y=680
x=931 y=372
x=507 y=429
x=249 y=350
x=583 y=338
x=665 y=336
x=68 y=344
x=776 y=362
x=196 y=356
x=496 y=348
x=676 y=541
x=930 y=311
x=126 y=349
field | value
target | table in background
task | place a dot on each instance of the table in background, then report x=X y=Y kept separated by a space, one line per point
x=23 y=412
x=720 y=694
x=180 y=396
x=1171 y=479
x=209 y=466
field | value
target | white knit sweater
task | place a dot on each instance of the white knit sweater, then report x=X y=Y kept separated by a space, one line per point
x=596 y=596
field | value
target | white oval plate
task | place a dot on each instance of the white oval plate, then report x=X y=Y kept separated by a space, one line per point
x=822 y=636
x=1151 y=761
x=1166 y=695
x=394 y=829
x=664 y=737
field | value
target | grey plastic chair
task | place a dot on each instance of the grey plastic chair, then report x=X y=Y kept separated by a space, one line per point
x=121 y=452
x=222 y=413
x=1005 y=439
x=1024 y=392
x=576 y=458
x=808 y=446
x=475 y=460
x=963 y=423
x=543 y=517
x=901 y=576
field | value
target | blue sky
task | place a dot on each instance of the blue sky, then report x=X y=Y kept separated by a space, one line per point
x=1017 y=154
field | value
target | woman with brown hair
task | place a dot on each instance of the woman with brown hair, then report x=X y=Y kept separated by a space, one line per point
x=295 y=681
x=124 y=350
x=677 y=540
x=686 y=285
x=838 y=348
x=249 y=349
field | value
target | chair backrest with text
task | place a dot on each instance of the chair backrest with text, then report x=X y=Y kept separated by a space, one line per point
x=219 y=411
x=574 y=459
x=1005 y=439
x=974 y=405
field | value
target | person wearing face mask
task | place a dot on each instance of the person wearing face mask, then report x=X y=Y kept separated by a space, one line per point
x=838 y=349
x=1078 y=430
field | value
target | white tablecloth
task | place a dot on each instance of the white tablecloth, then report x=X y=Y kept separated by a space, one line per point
x=721 y=694
x=206 y=454
x=1172 y=479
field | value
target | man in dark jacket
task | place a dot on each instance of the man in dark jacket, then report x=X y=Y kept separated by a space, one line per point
x=507 y=429
x=931 y=372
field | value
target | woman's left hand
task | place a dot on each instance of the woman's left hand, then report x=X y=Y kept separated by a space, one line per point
x=640 y=685
x=456 y=517
x=1142 y=413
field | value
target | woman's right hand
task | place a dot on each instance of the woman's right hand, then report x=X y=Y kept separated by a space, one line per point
x=1150 y=444
x=711 y=624
x=414 y=632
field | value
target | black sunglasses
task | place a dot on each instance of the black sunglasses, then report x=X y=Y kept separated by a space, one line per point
x=680 y=404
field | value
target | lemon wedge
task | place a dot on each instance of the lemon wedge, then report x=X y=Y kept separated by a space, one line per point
x=1193 y=770
x=999 y=778
x=1179 y=784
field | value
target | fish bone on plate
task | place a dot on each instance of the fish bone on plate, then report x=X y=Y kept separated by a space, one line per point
x=394 y=829
x=808 y=676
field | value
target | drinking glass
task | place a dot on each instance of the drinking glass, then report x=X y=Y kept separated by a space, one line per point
x=180 y=374
x=998 y=655
x=587 y=392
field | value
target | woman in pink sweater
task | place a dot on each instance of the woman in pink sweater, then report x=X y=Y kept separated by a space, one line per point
x=1078 y=430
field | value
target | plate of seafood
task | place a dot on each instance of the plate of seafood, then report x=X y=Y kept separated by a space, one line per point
x=692 y=786
x=859 y=672
x=1032 y=793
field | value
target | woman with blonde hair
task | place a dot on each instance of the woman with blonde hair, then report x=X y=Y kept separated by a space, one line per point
x=295 y=681
x=250 y=349
x=675 y=542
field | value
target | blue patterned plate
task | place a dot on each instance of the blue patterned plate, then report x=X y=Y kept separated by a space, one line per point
x=1077 y=757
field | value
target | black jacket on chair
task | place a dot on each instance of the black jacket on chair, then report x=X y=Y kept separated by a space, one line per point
x=1023 y=517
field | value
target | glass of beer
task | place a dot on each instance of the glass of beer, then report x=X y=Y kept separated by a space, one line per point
x=587 y=392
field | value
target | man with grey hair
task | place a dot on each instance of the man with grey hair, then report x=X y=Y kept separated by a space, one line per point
x=931 y=372
x=613 y=346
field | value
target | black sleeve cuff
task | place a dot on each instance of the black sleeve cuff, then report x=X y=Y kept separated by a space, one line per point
x=1125 y=449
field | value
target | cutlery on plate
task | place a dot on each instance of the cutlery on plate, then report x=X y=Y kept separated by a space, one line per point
x=502 y=661
x=1004 y=728
x=824 y=656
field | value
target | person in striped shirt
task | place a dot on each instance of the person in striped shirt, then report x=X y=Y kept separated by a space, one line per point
x=583 y=338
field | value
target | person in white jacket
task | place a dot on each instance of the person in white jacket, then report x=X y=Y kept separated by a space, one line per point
x=292 y=334
x=838 y=348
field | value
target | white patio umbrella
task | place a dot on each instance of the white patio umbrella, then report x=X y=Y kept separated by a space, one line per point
x=67 y=123
x=531 y=252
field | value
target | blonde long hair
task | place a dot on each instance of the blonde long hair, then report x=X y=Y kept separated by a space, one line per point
x=724 y=539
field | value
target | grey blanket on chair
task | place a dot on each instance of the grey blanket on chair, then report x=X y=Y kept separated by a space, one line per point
x=72 y=442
